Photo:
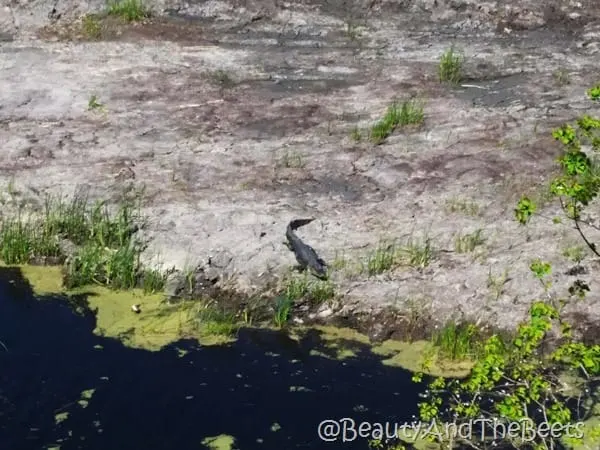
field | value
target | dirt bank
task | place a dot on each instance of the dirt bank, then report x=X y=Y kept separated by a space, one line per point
x=238 y=118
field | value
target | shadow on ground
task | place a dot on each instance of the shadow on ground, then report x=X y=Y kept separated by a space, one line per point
x=265 y=390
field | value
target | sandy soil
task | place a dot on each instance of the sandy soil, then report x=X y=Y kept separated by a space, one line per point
x=237 y=117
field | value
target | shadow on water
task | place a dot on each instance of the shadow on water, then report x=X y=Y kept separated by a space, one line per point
x=265 y=390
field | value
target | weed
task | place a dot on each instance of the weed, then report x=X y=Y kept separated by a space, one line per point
x=382 y=259
x=94 y=104
x=350 y=268
x=105 y=250
x=417 y=253
x=152 y=281
x=562 y=77
x=410 y=112
x=540 y=269
x=450 y=68
x=355 y=134
x=128 y=10
x=283 y=307
x=466 y=207
x=496 y=283
x=418 y=313
x=575 y=253
x=11 y=188
x=468 y=242
x=189 y=273
x=21 y=240
x=91 y=26
x=339 y=262
x=222 y=78
x=218 y=322
x=352 y=31
x=296 y=287
x=594 y=92
x=457 y=341
x=321 y=291
x=317 y=291
x=293 y=160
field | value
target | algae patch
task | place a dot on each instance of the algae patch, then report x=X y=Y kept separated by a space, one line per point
x=43 y=279
x=157 y=325
x=85 y=398
x=61 y=417
x=411 y=356
x=343 y=343
x=338 y=343
x=222 y=442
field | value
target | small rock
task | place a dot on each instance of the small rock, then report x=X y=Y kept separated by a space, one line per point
x=220 y=259
x=175 y=285
x=325 y=313
x=67 y=248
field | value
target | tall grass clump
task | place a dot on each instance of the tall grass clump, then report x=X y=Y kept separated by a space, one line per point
x=457 y=341
x=409 y=112
x=97 y=246
x=450 y=69
x=128 y=10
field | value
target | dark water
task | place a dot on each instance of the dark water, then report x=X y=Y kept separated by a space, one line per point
x=159 y=400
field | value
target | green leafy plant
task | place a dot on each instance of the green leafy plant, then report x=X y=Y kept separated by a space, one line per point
x=579 y=182
x=519 y=379
x=516 y=381
x=594 y=92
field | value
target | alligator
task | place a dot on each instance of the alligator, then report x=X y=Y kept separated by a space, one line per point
x=305 y=255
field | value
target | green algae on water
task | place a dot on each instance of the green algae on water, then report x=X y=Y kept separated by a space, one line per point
x=222 y=442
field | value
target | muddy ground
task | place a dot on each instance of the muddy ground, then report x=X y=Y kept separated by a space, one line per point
x=237 y=117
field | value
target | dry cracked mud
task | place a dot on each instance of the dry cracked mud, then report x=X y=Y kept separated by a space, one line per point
x=237 y=117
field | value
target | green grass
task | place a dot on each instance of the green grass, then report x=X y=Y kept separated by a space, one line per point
x=466 y=243
x=496 y=284
x=463 y=206
x=301 y=286
x=457 y=342
x=105 y=249
x=355 y=134
x=153 y=281
x=91 y=26
x=562 y=77
x=410 y=112
x=416 y=253
x=353 y=31
x=218 y=322
x=221 y=78
x=450 y=68
x=283 y=307
x=128 y=10
x=382 y=259
x=292 y=160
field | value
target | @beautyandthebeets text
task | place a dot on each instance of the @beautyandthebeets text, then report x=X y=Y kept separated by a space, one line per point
x=348 y=430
